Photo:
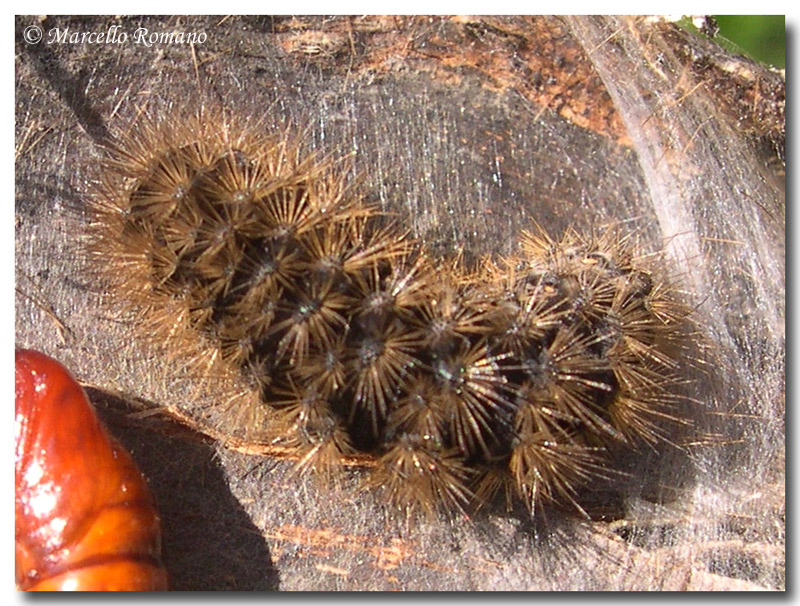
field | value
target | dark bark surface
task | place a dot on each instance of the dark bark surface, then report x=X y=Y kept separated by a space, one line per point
x=468 y=129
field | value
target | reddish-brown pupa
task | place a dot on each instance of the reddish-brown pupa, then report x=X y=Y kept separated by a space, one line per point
x=84 y=517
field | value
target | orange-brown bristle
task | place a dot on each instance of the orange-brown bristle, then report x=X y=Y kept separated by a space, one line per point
x=419 y=475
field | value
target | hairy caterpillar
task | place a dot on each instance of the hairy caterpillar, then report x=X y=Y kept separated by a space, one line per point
x=84 y=517
x=247 y=259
